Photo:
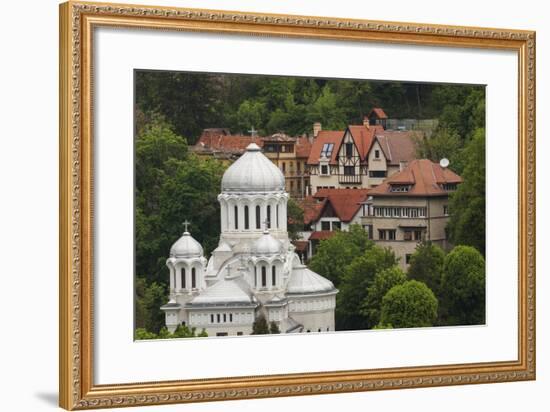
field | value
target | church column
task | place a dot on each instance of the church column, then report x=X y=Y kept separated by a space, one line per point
x=283 y=214
x=223 y=215
x=264 y=212
x=240 y=205
x=230 y=216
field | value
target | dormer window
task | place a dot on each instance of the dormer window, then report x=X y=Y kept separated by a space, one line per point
x=377 y=154
x=349 y=150
x=400 y=188
x=449 y=187
x=324 y=170
x=327 y=150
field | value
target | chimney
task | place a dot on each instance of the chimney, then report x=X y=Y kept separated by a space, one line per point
x=316 y=129
x=402 y=165
x=366 y=122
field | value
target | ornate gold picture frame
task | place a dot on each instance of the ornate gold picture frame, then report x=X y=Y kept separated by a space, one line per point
x=78 y=20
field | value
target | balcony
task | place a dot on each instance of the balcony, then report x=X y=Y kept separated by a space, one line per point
x=349 y=179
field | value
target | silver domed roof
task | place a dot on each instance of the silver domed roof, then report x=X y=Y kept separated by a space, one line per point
x=305 y=281
x=186 y=247
x=253 y=172
x=266 y=245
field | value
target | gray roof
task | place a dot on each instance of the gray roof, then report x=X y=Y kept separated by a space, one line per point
x=305 y=281
x=253 y=172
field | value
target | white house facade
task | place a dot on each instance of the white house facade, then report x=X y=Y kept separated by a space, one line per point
x=254 y=271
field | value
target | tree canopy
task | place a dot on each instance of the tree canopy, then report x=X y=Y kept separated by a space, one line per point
x=463 y=287
x=426 y=265
x=409 y=305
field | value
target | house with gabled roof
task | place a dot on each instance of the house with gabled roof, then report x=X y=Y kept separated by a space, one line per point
x=361 y=156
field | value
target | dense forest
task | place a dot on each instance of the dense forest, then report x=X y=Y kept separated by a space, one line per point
x=173 y=185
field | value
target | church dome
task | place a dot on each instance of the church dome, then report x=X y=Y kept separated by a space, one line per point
x=266 y=245
x=186 y=247
x=305 y=281
x=253 y=172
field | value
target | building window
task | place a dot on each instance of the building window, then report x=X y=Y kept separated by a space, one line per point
x=225 y=317
x=255 y=276
x=422 y=211
x=264 y=276
x=377 y=154
x=391 y=234
x=193 y=279
x=400 y=188
x=239 y=334
x=236 y=212
x=218 y=318
x=349 y=150
x=268 y=217
x=298 y=166
x=211 y=318
x=284 y=167
x=408 y=258
x=292 y=185
x=368 y=229
x=258 y=218
x=325 y=225
x=324 y=170
x=377 y=173
x=182 y=274
x=277 y=215
x=327 y=150
x=349 y=170
x=446 y=210
x=230 y=317
x=273 y=276
x=408 y=235
x=336 y=225
x=221 y=334
x=417 y=235
x=449 y=186
x=246 y=222
x=381 y=234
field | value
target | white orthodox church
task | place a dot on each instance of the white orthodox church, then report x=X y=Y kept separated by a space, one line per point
x=254 y=270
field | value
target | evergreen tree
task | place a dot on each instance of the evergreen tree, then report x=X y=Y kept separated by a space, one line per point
x=260 y=326
x=426 y=265
x=273 y=328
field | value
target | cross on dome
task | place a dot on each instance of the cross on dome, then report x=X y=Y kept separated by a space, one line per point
x=186 y=224
x=253 y=132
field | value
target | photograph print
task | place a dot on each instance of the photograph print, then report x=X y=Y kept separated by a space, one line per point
x=288 y=205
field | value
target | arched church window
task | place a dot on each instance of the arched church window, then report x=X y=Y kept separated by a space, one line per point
x=211 y=318
x=277 y=215
x=255 y=276
x=236 y=209
x=246 y=223
x=258 y=218
x=264 y=276
x=182 y=274
x=268 y=217
x=193 y=279
x=273 y=275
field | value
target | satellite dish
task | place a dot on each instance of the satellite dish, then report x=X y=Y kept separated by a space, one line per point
x=444 y=162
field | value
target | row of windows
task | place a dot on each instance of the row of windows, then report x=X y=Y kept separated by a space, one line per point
x=350 y=171
x=264 y=276
x=221 y=318
x=386 y=234
x=183 y=279
x=298 y=167
x=258 y=217
x=331 y=225
x=411 y=212
x=282 y=148
x=408 y=234
x=400 y=188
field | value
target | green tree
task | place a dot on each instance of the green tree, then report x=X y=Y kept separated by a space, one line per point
x=327 y=111
x=295 y=215
x=467 y=204
x=149 y=299
x=426 y=265
x=357 y=278
x=384 y=280
x=250 y=114
x=335 y=254
x=463 y=287
x=273 y=328
x=443 y=143
x=409 y=305
x=260 y=326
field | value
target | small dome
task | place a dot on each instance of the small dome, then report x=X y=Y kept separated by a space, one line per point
x=253 y=172
x=305 y=281
x=186 y=247
x=266 y=245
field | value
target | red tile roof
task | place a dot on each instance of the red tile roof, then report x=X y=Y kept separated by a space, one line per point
x=397 y=145
x=379 y=113
x=321 y=235
x=312 y=209
x=364 y=137
x=345 y=202
x=303 y=147
x=425 y=176
x=225 y=142
x=325 y=136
